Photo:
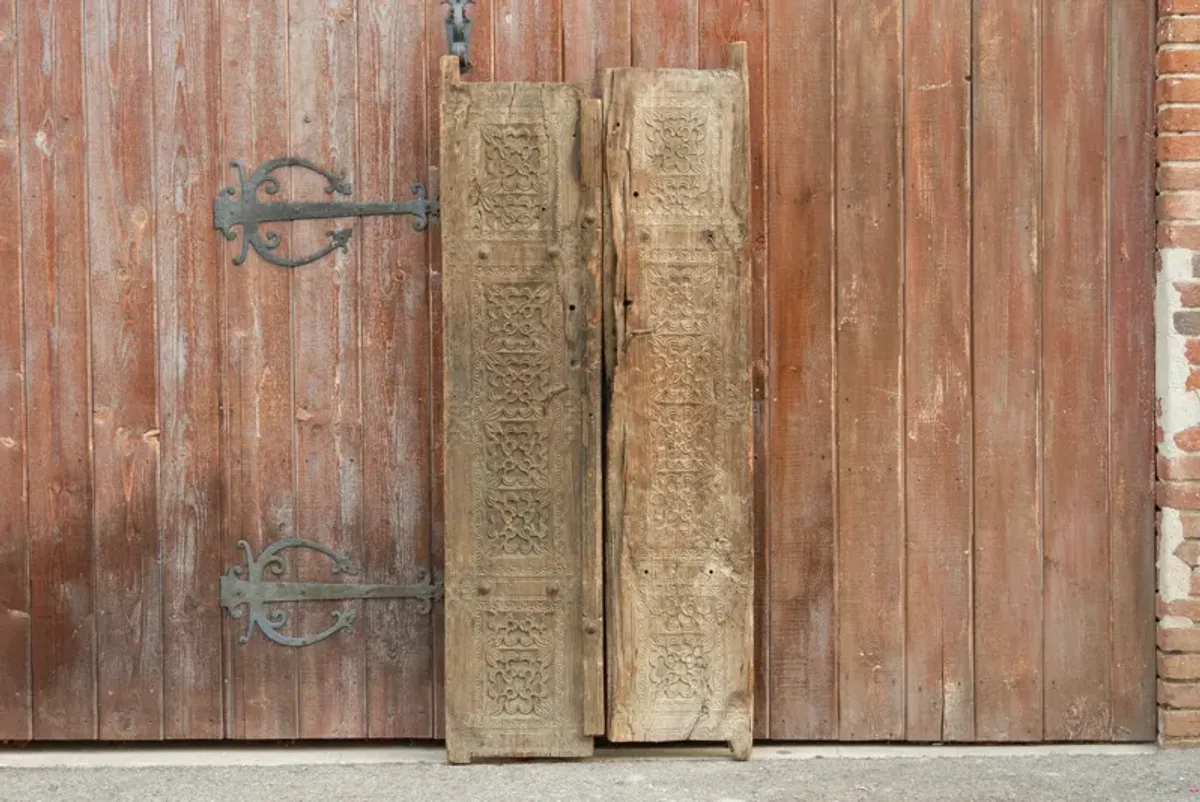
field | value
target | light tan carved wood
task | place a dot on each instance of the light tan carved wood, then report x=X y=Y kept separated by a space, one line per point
x=680 y=547
x=520 y=255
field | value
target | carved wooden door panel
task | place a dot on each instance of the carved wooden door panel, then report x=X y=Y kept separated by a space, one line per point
x=520 y=175
x=679 y=472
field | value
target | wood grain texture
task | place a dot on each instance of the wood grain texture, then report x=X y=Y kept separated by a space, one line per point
x=519 y=338
x=395 y=367
x=665 y=33
x=720 y=26
x=16 y=683
x=125 y=426
x=1006 y=318
x=1131 y=371
x=322 y=68
x=870 y=351
x=186 y=67
x=596 y=37
x=261 y=678
x=800 y=470
x=680 y=438
x=527 y=40
x=939 y=703
x=1078 y=692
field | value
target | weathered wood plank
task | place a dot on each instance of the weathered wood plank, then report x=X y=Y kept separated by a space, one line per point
x=870 y=351
x=395 y=366
x=186 y=102
x=1131 y=380
x=125 y=425
x=1006 y=315
x=58 y=404
x=528 y=40
x=481 y=59
x=680 y=439
x=665 y=33
x=257 y=354
x=937 y=376
x=722 y=24
x=800 y=466
x=1078 y=701
x=595 y=38
x=519 y=340
x=322 y=67
x=16 y=684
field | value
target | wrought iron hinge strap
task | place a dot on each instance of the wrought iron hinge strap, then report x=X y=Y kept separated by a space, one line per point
x=245 y=591
x=458 y=32
x=241 y=206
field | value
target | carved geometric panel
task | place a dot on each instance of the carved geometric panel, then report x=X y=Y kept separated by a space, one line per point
x=680 y=542
x=520 y=311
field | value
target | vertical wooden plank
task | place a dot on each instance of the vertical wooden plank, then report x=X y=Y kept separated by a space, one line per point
x=937 y=377
x=519 y=342
x=16 y=688
x=528 y=40
x=1131 y=381
x=58 y=403
x=591 y=259
x=395 y=366
x=322 y=70
x=1006 y=318
x=680 y=438
x=722 y=24
x=800 y=467
x=125 y=451
x=186 y=98
x=257 y=355
x=1074 y=369
x=595 y=38
x=665 y=33
x=481 y=70
x=870 y=351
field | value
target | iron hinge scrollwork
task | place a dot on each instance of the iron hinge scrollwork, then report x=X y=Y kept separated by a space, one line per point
x=248 y=591
x=458 y=31
x=241 y=206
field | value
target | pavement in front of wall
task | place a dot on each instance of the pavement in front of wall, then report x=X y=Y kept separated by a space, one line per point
x=776 y=774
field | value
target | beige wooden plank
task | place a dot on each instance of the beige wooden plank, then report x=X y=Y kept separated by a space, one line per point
x=680 y=547
x=520 y=343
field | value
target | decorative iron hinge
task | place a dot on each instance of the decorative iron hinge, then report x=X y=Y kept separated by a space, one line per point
x=231 y=209
x=249 y=588
x=458 y=31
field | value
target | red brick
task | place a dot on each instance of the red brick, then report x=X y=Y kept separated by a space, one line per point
x=1192 y=350
x=1178 y=29
x=1183 y=608
x=1178 y=59
x=1179 y=6
x=1179 y=666
x=1189 y=552
x=1179 y=639
x=1179 y=695
x=1180 y=723
x=1178 y=176
x=1191 y=525
x=1177 y=89
x=1178 y=147
x=1189 y=293
x=1179 y=206
x=1179 y=118
x=1179 y=235
x=1180 y=468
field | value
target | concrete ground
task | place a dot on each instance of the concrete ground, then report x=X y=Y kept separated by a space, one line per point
x=776 y=773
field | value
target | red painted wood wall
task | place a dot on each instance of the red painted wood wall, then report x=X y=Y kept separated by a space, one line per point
x=953 y=259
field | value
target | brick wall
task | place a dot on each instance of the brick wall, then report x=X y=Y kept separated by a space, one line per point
x=1178 y=371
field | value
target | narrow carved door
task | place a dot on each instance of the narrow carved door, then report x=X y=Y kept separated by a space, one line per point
x=679 y=473
x=520 y=228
